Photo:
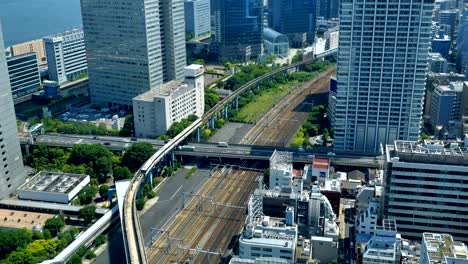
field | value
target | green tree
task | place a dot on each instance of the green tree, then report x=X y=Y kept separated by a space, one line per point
x=199 y=61
x=75 y=259
x=121 y=173
x=87 y=194
x=87 y=213
x=163 y=137
x=128 y=127
x=205 y=134
x=20 y=256
x=136 y=155
x=54 y=225
x=99 y=240
x=140 y=204
x=97 y=158
x=10 y=240
x=103 y=191
x=47 y=234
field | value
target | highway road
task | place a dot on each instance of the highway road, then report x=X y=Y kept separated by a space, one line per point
x=210 y=149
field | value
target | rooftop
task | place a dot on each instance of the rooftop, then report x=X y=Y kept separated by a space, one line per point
x=331 y=185
x=163 y=90
x=321 y=163
x=429 y=151
x=452 y=87
x=441 y=246
x=271 y=231
x=281 y=160
x=53 y=182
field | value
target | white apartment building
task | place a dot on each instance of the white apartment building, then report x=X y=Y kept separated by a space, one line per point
x=66 y=56
x=381 y=72
x=442 y=249
x=269 y=237
x=281 y=170
x=156 y=110
x=426 y=188
x=384 y=246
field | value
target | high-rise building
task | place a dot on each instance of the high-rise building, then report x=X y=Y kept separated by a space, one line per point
x=462 y=44
x=425 y=187
x=446 y=104
x=441 y=43
x=24 y=74
x=328 y=8
x=437 y=63
x=238 y=28
x=132 y=46
x=382 y=64
x=448 y=21
x=66 y=56
x=197 y=17
x=293 y=18
x=12 y=173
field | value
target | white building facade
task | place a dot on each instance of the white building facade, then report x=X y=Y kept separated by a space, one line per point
x=381 y=72
x=66 y=56
x=271 y=237
x=156 y=110
x=281 y=170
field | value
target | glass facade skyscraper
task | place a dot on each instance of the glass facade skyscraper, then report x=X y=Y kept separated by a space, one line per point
x=131 y=46
x=381 y=72
x=293 y=17
x=12 y=173
x=238 y=28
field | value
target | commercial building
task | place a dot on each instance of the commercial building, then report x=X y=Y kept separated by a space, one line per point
x=269 y=237
x=54 y=187
x=66 y=56
x=156 y=110
x=35 y=46
x=320 y=169
x=437 y=63
x=281 y=176
x=132 y=46
x=462 y=44
x=441 y=43
x=275 y=43
x=442 y=249
x=12 y=173
x=464 y=110
x=238 y=29
x=197 y=17
x=381 y=72
x=332 y=37
x=366 y=222
x=446 y=104
x=294 y=18
x=24 y=74
x=426 y=188
x=328 y=8
x=384 y=246
x=448 y=21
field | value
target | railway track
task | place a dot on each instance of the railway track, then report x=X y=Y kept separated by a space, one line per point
x=207 y=223
x=278 y=127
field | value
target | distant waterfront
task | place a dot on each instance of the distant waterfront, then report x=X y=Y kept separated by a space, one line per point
x=24 y=20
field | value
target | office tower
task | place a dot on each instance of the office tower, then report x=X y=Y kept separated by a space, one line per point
x=446 y=104
x=24 y=74
x=197 y=17
x=437 y=63
x=294 y=18
x=381 y=73
x=238 y=28
x=132 y=46
x=448 y=21
x=425 y=188
x=462 y=44
x=12 y=173
x=328 y=8
x=441 y=43
x=66 y=56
